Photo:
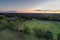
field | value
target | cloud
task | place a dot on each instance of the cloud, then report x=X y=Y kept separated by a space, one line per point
x=52 y=5
x=8 y=11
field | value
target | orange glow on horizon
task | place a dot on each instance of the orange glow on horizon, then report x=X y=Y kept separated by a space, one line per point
x=33 y=11
x=42 y=11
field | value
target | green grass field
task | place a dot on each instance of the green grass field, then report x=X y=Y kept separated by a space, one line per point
x=54 y=27
x=46 y=25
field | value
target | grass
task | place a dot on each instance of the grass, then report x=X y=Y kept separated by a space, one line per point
x=8 y=35
x=45 y=25
x=54 y=27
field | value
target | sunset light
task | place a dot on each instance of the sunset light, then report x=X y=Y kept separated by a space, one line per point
x=29 y=6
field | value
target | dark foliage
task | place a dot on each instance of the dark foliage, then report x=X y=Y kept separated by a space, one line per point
x=40 y=33
x=26 y=30
x=58 y=36
x=48 y=35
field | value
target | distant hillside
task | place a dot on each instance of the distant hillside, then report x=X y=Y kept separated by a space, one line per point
x=43 y=16
x=32 y=14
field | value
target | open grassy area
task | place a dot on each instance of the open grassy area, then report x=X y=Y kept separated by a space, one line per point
x=54 y=27
x=27 y=30
x=45 y=25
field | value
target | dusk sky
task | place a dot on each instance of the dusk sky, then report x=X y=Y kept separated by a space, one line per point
x=29 y=5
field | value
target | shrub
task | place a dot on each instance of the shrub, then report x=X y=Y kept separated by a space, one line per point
x=45 y=34
x=21 y=19
x=26 y=30
x=48 y=35
x=39 y=33
x=3 y=24
x=58 y=36
x=2 y=27
x=13 y=26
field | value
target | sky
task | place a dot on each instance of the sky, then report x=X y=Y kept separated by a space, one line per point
x=28 y=5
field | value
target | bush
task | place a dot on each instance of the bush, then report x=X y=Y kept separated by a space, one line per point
x=21 y=19
x=13 y=26
x=26 y=30
x=48 y=35
x=39 y=33
x=58 y=36
x=45 y=34
x=3 y=24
